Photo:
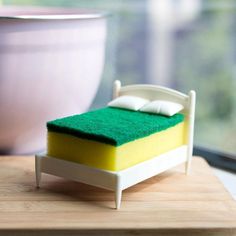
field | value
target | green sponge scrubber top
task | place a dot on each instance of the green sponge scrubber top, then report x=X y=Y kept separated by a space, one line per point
x=113 y=126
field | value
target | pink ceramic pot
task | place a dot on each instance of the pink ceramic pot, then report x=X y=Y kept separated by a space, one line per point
x=51 y=62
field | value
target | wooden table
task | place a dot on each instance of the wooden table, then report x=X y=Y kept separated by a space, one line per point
x=168 y=204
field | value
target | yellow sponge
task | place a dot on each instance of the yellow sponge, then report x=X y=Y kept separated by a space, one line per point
x=109 y=157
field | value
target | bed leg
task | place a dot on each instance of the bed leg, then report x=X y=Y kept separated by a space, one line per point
x=38 y=170
x=118 y=192
x=187 y=167
x=118 y=195
x=189 y=160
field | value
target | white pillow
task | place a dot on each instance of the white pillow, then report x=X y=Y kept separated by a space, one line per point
x=128 y=102
x=162 y=107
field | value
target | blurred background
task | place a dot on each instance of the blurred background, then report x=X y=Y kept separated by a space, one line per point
x=182 y=44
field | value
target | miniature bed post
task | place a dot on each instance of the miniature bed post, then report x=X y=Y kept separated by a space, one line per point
x=118 y=190
x=191 y=115
x=116 y=89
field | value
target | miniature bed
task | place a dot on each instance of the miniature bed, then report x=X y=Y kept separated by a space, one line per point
x=119 y=177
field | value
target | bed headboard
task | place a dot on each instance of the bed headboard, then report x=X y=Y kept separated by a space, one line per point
x=154 y=92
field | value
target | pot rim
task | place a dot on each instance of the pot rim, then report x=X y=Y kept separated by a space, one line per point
x=50 y=13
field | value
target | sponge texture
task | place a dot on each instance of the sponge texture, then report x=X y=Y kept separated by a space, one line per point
x=108 y=157
x=113 y=126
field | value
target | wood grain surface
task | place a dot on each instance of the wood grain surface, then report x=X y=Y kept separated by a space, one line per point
x=168 y=204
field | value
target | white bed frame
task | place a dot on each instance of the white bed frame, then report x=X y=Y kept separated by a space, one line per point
x=119 y=180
